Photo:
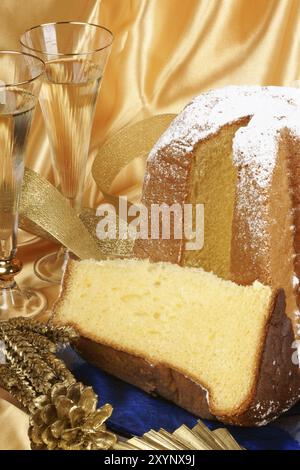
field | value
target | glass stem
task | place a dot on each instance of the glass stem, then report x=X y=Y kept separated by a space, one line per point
x=7 y=284
x=10 y=188
x=9 y=265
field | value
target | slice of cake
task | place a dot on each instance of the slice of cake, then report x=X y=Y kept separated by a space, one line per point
x=235 y=150
x=213 y=347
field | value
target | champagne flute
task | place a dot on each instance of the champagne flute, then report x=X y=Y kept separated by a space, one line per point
x=75 y=55
x=20 y=81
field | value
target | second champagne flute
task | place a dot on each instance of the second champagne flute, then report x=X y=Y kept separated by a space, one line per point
x=75 y=55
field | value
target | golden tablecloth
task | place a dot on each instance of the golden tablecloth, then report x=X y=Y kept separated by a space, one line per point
x=165 y=52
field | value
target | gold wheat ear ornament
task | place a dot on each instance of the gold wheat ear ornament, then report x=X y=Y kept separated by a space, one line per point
x=63 y=412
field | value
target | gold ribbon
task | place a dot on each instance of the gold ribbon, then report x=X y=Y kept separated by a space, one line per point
x=129 y=143
x=47 y=214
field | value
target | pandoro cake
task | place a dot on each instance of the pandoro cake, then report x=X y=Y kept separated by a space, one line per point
x=213 y=347
x=237 y=151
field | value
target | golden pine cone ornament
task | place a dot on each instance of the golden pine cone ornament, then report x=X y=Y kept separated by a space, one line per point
x=63 y=412
x=67 y=419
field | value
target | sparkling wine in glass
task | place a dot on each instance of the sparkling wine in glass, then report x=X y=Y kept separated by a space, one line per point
x=20 y=80
x=75 y=55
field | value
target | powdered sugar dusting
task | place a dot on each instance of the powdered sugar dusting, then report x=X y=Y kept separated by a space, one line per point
x=209 y=112
x=255 y=147
x=255 y=150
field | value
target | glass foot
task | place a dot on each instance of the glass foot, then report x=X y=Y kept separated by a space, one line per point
x=50 y=267
x=16 y=302
x=25 y=238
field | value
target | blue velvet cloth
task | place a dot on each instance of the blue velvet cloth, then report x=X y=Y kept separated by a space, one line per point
x=136 y=412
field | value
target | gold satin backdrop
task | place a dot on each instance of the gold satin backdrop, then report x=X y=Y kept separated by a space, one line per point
x=165 y=52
